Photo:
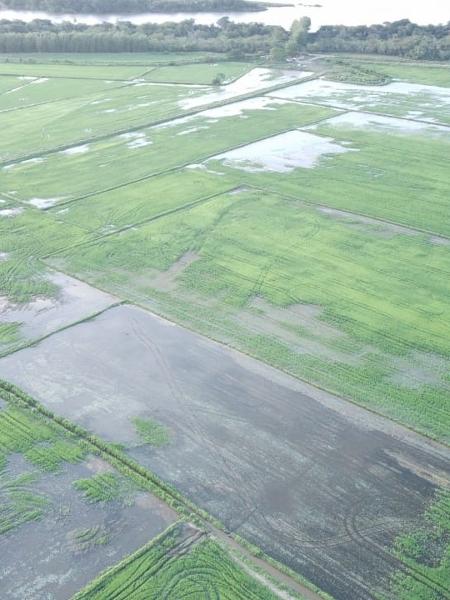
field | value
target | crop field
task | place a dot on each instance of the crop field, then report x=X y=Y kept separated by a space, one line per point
x=230 y=305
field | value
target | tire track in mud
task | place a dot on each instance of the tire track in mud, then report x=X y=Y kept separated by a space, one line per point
x=361 y=539
x=195 y=431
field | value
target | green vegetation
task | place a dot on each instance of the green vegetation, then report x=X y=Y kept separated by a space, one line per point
x=51 y=457
x=362 y=74
x=105 y=488
x=426 y=551
x=9 y=333
x=18 y=504
x=179 y=563
x=433 y=74
x=151 y=432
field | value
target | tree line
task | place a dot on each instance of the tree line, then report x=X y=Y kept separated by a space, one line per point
x=401 y=38
x=131 y=6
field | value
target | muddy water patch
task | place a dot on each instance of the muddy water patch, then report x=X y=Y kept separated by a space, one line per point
x=74 y=300
x=283 y=153
x=74 y=540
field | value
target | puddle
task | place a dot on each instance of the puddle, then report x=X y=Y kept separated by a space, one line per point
x=44 y=202
x=3 y=256
x=282 y=153
x=24 y=163
x=137 y=139
x=76 y=150
x=10 y=212
x=393 y=124
x=254 y=80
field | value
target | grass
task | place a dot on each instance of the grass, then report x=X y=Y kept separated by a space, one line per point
x=115 y=72
x=28 y=93
x=151 y=432
x=105 y=487
x=426 y=550
x=9 y=333
x=174 y=567
x=19 y=505
x=369 y=286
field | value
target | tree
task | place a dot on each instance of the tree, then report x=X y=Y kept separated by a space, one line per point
x=299 y=36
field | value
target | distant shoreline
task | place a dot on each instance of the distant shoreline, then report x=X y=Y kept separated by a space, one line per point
x=135 y=7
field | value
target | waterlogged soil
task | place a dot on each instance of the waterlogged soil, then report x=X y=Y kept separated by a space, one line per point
x=318 y=483
x=410 y=100
x=54 y=557
x=74 y=301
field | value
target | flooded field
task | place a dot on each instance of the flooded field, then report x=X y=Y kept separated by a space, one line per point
x=315 y=482
x=73 y=302
x=409 y=100
x=54 y=537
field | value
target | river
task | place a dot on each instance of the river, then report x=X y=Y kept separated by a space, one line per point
x=331 y=12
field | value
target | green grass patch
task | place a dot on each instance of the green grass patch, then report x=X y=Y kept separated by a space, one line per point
x=105 y=487
x=151 y=432
x=9 y=333
x=18 y=504
x=426 y=551
x=51 y=457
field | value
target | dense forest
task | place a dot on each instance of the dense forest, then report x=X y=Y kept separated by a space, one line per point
x=401 y=38
x=131 y=6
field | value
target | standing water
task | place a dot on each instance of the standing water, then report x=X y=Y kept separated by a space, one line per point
x=322 y=12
